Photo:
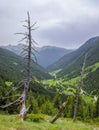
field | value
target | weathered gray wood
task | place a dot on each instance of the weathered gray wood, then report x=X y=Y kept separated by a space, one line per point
x=79 y=90
x=26 y=83
x=61 y=109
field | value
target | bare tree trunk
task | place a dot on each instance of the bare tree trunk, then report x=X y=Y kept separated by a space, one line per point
x=79 y=90
x=27 y=84
x=22 y=99
x=59 y=113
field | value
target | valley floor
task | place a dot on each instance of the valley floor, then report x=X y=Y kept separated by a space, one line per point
x=12 y=122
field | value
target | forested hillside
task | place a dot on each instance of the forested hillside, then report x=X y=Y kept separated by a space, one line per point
x=46 y=96
x=70 y=65
x=13 y=67
x=49 y=65
x=91 y=47
x=45 y=55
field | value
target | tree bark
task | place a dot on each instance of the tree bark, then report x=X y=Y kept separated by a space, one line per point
x=79 y=90
x=30 y=41
x=23 y=111
x=59 y=113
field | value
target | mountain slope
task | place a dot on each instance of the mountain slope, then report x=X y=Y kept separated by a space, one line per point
x=46 y=55
x=74 y=60
x=12 y=67
x=49 y=54
x=70 y=65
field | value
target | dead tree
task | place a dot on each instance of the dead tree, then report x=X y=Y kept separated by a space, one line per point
x=61 y=109
x=79 y=90
x=28 y=50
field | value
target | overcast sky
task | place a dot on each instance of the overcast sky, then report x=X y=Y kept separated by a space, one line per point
x=64 y=23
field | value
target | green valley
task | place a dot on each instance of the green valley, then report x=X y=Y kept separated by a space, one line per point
x=49 y=90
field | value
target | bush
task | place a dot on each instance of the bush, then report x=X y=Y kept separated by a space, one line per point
x=35 y=117
x=96 y=119
x=48 y=108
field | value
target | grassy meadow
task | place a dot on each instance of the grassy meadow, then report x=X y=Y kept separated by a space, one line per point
x=12 y=122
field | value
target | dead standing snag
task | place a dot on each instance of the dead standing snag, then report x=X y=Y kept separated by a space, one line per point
x=29 y=50
x=79 y=89
x=30 y=41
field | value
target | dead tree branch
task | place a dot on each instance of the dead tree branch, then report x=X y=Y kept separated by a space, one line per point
x=79 y=89
x=26 y=83
x=11 y=103
x=61 y=109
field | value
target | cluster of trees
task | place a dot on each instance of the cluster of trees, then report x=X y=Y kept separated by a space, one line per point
x=86 y=110
x=31 y=92
x=45 y=102
x=92 y=80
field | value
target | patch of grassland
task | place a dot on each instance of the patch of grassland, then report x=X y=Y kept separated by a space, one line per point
x=54 y=73
x=92 y=67
x=12 y=122
x=8 y=83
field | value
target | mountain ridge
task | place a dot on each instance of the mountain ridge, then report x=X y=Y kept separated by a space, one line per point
x=68 y=59
x=14 y=67
x=45 y=55
x=70 y=65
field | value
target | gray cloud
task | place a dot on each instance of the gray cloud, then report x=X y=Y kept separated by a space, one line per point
x=71 y=35
x=67 y=23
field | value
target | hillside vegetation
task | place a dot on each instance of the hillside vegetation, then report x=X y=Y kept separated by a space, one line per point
x=11 y=122
x=70 y=64
x=13 y=67
x=45 y=55
x=47 y=93
x=74 y=60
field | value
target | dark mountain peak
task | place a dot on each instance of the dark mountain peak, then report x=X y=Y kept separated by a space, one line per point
x=93 y=40
x=89 y=43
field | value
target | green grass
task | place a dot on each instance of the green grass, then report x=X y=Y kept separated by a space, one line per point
x=12 y=122
x=54 y=73
x=92 y=67
x=72 y=82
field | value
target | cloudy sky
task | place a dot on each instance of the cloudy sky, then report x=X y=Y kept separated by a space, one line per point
x=63 y=23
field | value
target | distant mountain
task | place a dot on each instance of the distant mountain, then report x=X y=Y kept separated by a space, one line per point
x=70 y=65
x=46 y=55
x=50 y=54
x=17 y=49
x=12 y=67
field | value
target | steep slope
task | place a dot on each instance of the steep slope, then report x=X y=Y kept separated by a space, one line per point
x=17 y=49
x=49 y=54
x=70 y=66
x=12 y=67
x=46 y=55
x=72 y=62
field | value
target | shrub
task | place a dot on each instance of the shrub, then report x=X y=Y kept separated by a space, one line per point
x=35 y=117
x=48 y=108
x=96 y=119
